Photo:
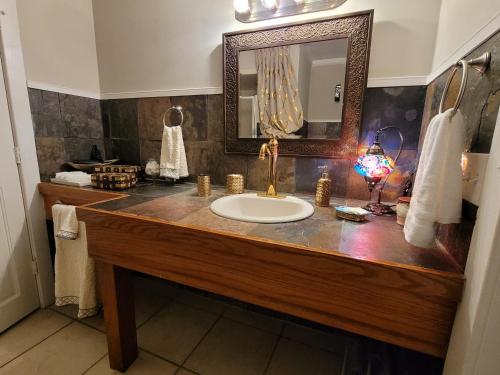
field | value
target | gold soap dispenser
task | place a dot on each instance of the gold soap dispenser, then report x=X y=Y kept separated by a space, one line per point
x=323 y=189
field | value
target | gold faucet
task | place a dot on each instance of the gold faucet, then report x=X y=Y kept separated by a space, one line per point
x=270 y=149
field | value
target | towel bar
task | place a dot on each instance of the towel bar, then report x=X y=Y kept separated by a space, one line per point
x=177 y=108
x=480 y=63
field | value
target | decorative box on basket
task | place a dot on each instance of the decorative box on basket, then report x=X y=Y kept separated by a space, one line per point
x=113 y=181
x=118 y=169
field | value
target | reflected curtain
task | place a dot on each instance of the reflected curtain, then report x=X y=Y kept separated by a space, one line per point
x=280 y=109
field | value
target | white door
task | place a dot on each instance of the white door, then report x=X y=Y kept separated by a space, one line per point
x=18 y=290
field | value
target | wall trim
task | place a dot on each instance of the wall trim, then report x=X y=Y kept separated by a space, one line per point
x=397 y=81
x=484 y=32
x=62 y=89
x=167 y=92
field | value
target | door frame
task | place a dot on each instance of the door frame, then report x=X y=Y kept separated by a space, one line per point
x=24 y=140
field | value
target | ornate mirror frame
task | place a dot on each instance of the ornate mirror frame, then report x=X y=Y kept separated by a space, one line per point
x=357 y=27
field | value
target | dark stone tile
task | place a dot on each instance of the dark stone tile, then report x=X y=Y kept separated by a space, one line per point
x=150 y=111
x=398 y=106
x=199 y=156
x=222 y=164
x=46 y=114
x=122 y=118
x=308 y=171
x=215 y=113
x=82 y=116
x=127 y=151
x=480 y=102
x=195 y=116
x=149 y=150
x=258 y=174
x=79 y=148
x=51 y=156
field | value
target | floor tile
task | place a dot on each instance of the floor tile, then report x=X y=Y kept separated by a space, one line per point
x=29 y=332
x=232 y=348
x=202 y=302
x=175 y=331
x=145 y=364
x=254 y=319
x=333 y=342
x=294 y=358
x=71 y=350
x=151 y=295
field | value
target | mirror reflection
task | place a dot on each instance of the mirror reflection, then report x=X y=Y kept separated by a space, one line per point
x=292 y=92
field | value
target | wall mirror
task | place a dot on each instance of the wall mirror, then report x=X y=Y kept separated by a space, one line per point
x=302 y=83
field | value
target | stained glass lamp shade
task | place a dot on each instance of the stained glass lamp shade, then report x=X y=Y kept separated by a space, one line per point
x=376 y=165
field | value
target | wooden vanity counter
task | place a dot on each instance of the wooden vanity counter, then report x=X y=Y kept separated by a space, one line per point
x=360 y=277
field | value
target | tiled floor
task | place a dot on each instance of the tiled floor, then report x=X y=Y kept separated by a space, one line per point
x=179 y=332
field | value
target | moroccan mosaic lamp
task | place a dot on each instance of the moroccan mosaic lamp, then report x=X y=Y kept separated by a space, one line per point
x=376 y=166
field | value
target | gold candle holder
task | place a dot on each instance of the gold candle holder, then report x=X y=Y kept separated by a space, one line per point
x=234 y=184
x=204 y=188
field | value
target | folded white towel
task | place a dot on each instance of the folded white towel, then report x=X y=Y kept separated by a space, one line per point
x=77 y=176
x=173 y=163
x=67 y=228
x=437 y=193
x=75 y=272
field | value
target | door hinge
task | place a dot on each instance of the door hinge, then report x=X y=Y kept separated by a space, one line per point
x=17 y=154
x=34 y=266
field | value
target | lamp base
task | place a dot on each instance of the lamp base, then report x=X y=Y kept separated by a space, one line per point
x=379 y=209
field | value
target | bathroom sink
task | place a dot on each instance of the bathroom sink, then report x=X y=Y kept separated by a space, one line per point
x=255 y=209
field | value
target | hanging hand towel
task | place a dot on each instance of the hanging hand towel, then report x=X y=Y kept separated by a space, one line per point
x=75 y=272
x=437 y=193
x=173 y=162
x=67 y=223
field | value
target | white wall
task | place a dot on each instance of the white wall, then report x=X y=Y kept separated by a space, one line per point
x=157 y=46
x=462 y=26
x=59 y=47
x=321 y=106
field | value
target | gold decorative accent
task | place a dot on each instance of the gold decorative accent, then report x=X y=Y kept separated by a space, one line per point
x=204 y=188
x=234 y=184
x=270 y=149
x=323 y=189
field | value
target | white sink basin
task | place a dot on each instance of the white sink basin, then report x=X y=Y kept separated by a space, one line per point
x=255 y=209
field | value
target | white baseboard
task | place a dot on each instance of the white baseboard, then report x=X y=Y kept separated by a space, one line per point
x=397 y=81
x=492 y=27
x=62 y=89
x=166 y=92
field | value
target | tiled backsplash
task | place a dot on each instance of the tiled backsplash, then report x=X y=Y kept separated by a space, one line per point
x=130 y=129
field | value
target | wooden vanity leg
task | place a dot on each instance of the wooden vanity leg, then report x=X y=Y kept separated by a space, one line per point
x=117 y=295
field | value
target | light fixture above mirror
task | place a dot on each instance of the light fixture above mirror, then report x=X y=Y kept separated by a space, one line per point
x=258 y=10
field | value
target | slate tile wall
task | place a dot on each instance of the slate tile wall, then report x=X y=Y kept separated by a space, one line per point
x=479 y=106
x=66 y=127
x=131 y=129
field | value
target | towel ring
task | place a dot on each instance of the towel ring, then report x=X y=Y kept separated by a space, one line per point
x=480 y=64
x=174 y=108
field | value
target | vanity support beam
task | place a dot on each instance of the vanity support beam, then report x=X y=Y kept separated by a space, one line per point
x=119 y=314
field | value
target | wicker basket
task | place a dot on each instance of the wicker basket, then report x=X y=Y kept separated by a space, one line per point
x=113 y=181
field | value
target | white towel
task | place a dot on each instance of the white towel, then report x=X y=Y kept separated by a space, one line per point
x=75 y=272
x=67 y=228
x=77 y=176
x=173 y=162
x=437 y=193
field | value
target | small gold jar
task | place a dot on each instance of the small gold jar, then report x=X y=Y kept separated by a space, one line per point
x=204 y=188
x=235 y=184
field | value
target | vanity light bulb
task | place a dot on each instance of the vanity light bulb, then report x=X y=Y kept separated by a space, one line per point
x=299 y=2
x=241 y=6
x=269 y=4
